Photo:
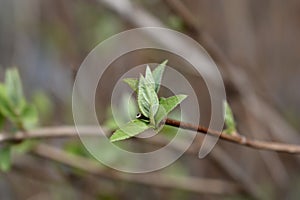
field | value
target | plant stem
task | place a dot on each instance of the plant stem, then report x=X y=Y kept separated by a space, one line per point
x=71 y=131
x=237 y=138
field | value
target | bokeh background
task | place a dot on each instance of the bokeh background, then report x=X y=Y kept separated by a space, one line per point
x=256 y=46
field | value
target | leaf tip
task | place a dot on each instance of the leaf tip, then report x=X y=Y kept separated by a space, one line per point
x=183 y=96
x=113 y=139
x=131 y=82
x=165 y=62
x=116 y=137
x=229 y=119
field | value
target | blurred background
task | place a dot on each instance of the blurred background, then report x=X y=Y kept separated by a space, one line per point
x=256 y=46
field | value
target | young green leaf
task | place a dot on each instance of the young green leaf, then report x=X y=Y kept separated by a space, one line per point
x=5 y=158
x=147 y=98
x=229 y=120
x=14 y=87
x=25 y=146
x=127 y=112
x=158 y=73
x=150 y=83
x=166 y=105
x=132 y=82
x=142 y=97
x=153 y=111
x=149 y=78
x=129 y=130
x=129 y=105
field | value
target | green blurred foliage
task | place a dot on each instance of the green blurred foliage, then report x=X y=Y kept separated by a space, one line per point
x=175 y=23
x=25 y=146
x=44 y=106
x=76 y=148
x=5 y=160
x=88 y=26
x=14 y=107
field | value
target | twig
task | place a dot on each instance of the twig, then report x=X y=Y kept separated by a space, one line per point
x=69 y=131
x=50 y=132
x=273 y=162
x=91 y=131
x=238 y=139
x=191 y=184
x=241 y=81
x=138 y=17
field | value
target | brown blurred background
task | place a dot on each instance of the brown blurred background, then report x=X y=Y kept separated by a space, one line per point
x=255 y=44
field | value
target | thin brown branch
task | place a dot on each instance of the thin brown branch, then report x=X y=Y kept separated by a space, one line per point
x=140 y=18
x=49 y=132
x=238 y=139
x=231 y=167
x=191 y=184
x=71 y=131
x=273 y=162
x=243 y=85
